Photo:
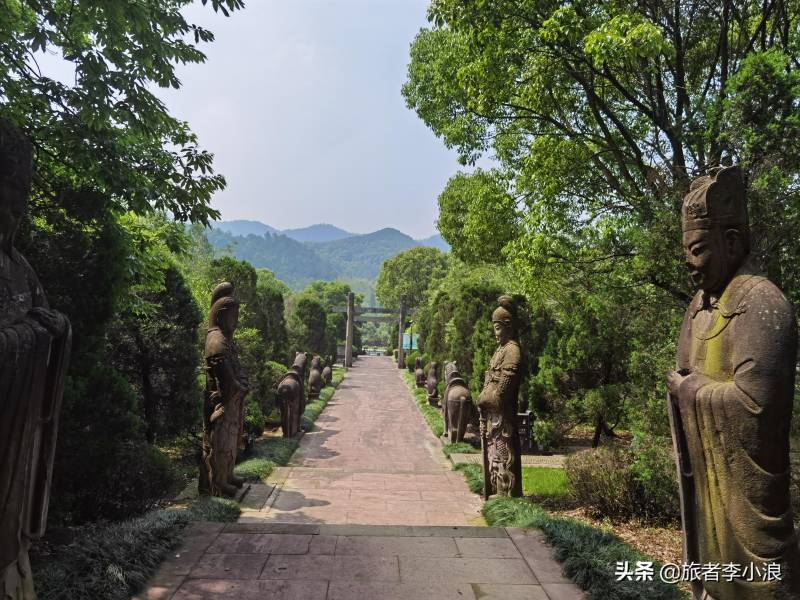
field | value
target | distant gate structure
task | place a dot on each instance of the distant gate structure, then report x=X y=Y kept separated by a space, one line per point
x=372 y=314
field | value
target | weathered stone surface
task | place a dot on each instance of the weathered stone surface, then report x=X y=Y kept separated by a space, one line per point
x=731 y=399
x=419 y=373
x=226 y=388
x=315 y=381
x=497 y=405
x=432 y=383
x=457 y=404
x=291 y=396
x=34 y=353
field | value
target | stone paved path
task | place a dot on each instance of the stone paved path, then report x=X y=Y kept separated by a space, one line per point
x=367 y=509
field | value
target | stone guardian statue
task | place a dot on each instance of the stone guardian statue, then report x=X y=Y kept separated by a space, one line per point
x=291 y=397
x=497 y=404
x=419 y=373
x=35 y=344
x=315 y=378
x=730 y=400
x=224 y=397
x=432 y=383
x=456 y=405
x=327 y=372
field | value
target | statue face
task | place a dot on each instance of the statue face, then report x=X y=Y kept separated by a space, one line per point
x=712 y=256
x=13 y=206
x=501 y=332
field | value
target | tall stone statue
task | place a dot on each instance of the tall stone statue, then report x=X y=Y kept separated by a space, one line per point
x=224 y=397
x=456 y=405
x=731 y=400
x=419 y=373
x=497 y=405
x=291 y=397
x=432 y=383
x=315 y=378
x=34 y=352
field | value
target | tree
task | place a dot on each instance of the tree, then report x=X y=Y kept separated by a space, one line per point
x=410 y=274
x=599 y=114
x=307 y=325
x=106 y=129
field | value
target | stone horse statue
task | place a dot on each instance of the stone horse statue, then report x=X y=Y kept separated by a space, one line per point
x=457 y=408
x=315 y=382
x=419 y=373
x=291 y=397
x=432 y=383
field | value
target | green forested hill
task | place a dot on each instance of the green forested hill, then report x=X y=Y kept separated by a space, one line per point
x=356 y=259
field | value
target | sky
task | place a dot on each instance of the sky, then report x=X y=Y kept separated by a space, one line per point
x=300 y=103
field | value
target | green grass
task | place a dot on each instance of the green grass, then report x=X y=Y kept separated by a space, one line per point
x=545 y=482
x=272 y=452
x=113 y=561
x=432 y=415
x=473 y=474
x=589 y=555
x=459 y=448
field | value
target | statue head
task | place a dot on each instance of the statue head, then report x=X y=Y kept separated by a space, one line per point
x=226 y=288
x=503 y=319
x=316 y=363
x=451 y=372
x=16 y=165
x=225 y=315
x=716 y=234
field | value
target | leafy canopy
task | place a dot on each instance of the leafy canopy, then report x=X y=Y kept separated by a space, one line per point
x=106 y=129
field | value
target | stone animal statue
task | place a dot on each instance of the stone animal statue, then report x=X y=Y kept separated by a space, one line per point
x=419 y=373
x=457 y=406
x=327 y=371
x=291 y=397
x=432 y=383
x=35 y=343
x=498 y=406
x=315 y=382
x=224 y=397
x=731 y=400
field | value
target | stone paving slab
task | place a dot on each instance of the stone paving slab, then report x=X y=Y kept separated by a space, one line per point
x=371 y=562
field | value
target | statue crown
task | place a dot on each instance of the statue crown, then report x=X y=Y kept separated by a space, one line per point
x=717 y=199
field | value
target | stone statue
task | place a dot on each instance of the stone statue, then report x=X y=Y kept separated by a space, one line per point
x=34 y=353
x=457 y=404
x=327 y=372
x=419 y=372
x=730 y=400
x=291 y=397
x=224 y=397
x=315 y=378
x=497 y=404
x=432 y=383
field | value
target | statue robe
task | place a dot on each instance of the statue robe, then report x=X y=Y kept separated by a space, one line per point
x=498 y=403
x=735 y=408
x=32 y=369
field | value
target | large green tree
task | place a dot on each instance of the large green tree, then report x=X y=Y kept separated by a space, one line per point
x=409 y=274
x=599 y=114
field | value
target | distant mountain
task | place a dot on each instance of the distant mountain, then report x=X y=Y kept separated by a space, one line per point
x=435 y=241
x=363 y=255
x=300 y=256
x=317 y=233
x=244 y=227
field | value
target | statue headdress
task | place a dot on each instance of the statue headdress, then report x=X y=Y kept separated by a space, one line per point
x=16 y=158
x=226 y=288
x=716 y=200
x=505 y=312
x=220 y=306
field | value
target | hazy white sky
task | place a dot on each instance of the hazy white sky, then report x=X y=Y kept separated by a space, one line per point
x=300 y=102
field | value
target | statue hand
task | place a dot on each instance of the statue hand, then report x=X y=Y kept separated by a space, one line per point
x=53 y=321
x=674 y=381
